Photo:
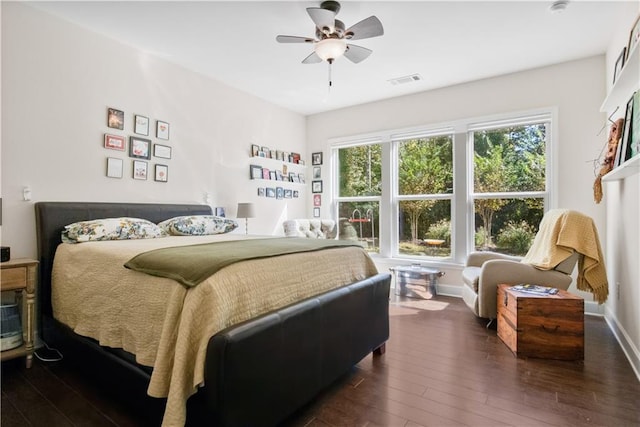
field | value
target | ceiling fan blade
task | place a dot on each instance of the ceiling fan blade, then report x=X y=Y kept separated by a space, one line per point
x=294 y=39
x=312 y=59
x=367 y=28
x=323 y=18
x=357 y=53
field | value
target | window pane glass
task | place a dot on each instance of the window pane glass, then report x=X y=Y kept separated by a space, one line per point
x=360 y=170
x=425 y=166
x=510 y=159
x=425 y=228
x=360 y=221
x=507 y=225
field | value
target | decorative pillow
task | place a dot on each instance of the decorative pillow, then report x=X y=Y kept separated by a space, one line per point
x=198 y=225
x=111 y=229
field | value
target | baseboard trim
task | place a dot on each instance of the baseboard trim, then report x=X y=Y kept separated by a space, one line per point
x=629 y=349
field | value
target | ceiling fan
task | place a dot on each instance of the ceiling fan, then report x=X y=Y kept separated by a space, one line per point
x=331 y=36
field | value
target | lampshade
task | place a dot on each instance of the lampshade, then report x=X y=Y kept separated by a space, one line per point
x=245 y=210
x=330 y=49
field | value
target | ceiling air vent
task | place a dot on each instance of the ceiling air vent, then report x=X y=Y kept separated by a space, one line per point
x=406 y=79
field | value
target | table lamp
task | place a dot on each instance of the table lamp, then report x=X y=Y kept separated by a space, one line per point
x=246 y=211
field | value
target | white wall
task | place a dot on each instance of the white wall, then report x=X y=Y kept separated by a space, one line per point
x=575 y=88
x=622 y=200
x=57 y=82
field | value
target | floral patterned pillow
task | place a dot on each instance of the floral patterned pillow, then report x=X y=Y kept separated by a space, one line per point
x=198 y=225
x=111 y=229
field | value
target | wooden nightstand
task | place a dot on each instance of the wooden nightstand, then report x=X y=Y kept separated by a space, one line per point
x=20 y=275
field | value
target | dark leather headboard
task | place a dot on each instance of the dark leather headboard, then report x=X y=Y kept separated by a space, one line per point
x=51 y=217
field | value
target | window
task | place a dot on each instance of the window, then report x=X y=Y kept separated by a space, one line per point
x=436 y=194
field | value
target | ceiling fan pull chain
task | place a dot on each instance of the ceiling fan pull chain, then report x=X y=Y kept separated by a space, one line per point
x=330 y=81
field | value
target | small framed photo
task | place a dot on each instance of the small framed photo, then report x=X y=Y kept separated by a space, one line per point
x=162 y=130
x=141 y=125
x=114 y=142
x=288 y=194
x=634 y=37
x=301 y=162
x=115 y=118
x=301 y=178
x=279 y=193
x=296 y=194
x=619 y=64
x=317 y=173
x=266 y=173
x=317 y=200
x=255 y=150
x=162 y=172
x=273 y=175
x=316 y=159
x=114 y=167
x=271 y=192
x=219 y=211
x=261 y=192
x=255 y=171
x=316 y=212
x=139 y=169
x=139 y=148
x=316 y=186
x=265 y=150
x=162 y=151
x=293 y=177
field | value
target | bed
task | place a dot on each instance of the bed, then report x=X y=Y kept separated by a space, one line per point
x=255 y=372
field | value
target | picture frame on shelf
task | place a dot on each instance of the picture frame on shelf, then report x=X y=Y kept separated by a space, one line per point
x=316 y=212
x=140 y=169
x=316 y=186
x=288 y=194
x=161 y=173
x=317 y=172
x=626 y=134
x=316 y=159
x=141 y=125
x=114 y=142
x=273 y=175
x=162 y=130
x=301 y=178
x=255 y=171
x=293 y=177
x=296 y=194
x=635 y=126
x=619 y=64
x=139 y=148
x=261 y=192
x=271 y=192
x=279 y=193
x=161 y=151
x=114 y=167
x=266 y=173
x=317 y=200
x=115 y=118
x=634 y=37
x=255 y=150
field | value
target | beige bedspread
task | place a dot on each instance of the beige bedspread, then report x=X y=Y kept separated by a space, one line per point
x=168 y=326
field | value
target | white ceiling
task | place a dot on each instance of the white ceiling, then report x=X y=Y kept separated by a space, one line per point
x=446 y=42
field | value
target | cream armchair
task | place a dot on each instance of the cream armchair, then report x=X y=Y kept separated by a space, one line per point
x=310 y=228
x=485 y=270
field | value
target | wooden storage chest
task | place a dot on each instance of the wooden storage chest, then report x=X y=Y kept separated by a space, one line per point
x=543 y=326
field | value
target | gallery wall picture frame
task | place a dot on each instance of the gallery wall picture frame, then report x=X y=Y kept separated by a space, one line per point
x=115 y=118
x=316 y=186
x=141 y=125
x=619 y=64
x=296 y=194
x=114 y=167
x=288 y=194
x=162 y=130
x=161 y=151
x=317 y=172
x=114 y=142
x=301 y=178
x=317 y=200
x=266 y=173
x=255 y=171
x=261 y=192
x=316 y=159
x=279 y=193
x=316 y=212
x=139 y=148
x=255 y=150
x=161 y=173
x=634 y=36
x=271 y=192
x=140 y=169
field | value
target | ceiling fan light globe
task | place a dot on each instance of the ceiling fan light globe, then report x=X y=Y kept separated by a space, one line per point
x=330 y=49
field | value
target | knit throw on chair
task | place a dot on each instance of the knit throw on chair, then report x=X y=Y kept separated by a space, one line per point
x=561 y=233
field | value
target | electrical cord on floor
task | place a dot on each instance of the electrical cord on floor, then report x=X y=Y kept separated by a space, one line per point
x=52 y=355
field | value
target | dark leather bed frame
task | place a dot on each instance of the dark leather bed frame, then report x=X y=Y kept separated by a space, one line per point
x=258 y=372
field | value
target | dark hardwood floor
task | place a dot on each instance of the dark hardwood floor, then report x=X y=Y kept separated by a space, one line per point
x=442 y=368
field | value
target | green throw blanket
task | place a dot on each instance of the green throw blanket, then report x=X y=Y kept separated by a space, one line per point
x=192 y=264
